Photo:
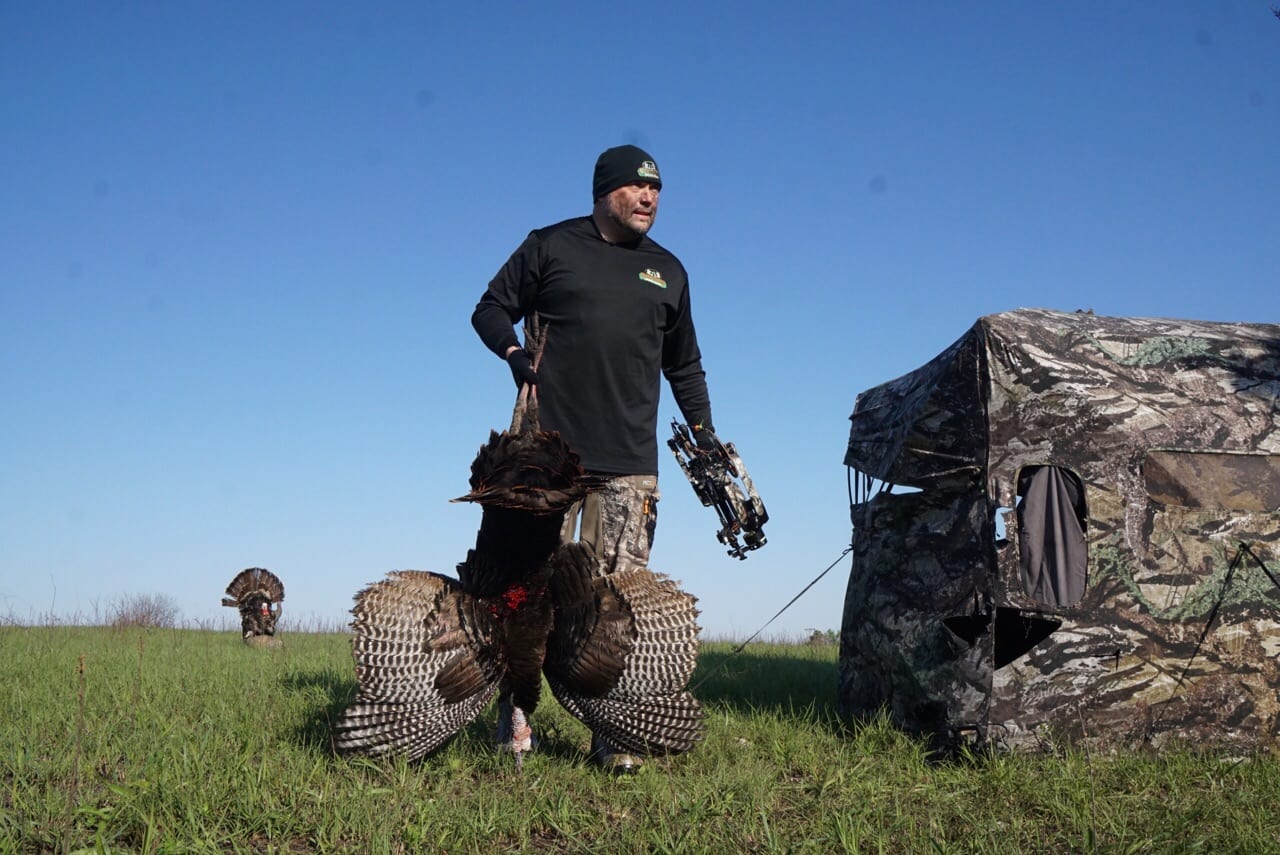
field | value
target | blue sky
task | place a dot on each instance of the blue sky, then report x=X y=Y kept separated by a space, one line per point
x=240 y=244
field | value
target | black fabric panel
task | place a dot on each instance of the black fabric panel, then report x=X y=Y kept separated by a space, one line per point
x=1051 y=537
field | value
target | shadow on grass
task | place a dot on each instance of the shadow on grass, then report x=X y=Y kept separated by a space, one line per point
x=315 y=732
x=794 y=686
x=800 y=686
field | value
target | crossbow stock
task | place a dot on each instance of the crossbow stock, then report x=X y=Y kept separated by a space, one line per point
x=720 y=480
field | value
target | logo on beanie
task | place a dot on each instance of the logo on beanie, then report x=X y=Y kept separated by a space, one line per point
x=648 y=169
x=653 y=277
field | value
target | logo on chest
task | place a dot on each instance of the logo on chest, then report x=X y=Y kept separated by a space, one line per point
x=653 y=277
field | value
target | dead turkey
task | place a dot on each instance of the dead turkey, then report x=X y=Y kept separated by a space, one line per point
x=617 y=644
x=257 y=593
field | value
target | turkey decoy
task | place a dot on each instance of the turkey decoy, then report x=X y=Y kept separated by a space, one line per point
x=257 y=593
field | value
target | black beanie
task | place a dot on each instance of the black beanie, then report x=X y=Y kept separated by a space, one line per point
x=622 y=165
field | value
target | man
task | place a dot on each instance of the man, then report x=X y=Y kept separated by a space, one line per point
x=616 y=307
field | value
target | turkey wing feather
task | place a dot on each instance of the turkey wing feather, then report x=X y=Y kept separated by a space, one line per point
x=622 y=651
x=425 y=662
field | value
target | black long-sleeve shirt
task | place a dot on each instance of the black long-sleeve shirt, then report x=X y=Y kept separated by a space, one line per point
x=618 y=319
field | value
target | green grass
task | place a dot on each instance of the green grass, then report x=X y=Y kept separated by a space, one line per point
x=188 y=741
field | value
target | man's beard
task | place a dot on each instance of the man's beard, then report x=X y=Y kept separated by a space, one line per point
x=628 y=223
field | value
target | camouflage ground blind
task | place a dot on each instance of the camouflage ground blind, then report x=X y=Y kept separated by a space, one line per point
x=1129 y=599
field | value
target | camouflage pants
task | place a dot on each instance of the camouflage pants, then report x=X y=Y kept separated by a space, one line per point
x=618 y=521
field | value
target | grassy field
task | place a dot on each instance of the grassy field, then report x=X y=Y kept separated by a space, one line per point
x=188 y=741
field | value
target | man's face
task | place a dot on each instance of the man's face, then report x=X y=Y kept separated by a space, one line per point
x=633 y=207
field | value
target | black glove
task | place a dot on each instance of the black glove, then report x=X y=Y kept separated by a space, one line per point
x=522 y=367
x=704 y=436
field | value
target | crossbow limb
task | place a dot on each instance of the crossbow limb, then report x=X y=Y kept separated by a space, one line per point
x=720 y=480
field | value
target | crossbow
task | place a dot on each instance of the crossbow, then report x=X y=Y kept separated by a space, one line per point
x=720 y=480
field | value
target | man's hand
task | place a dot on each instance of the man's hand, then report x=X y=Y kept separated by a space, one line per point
x=522 y=367
x=704 y=436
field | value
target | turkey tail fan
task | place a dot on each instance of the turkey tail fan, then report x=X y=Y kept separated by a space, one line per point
x=426 y=664
x=622 y=650
x=255 y=580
